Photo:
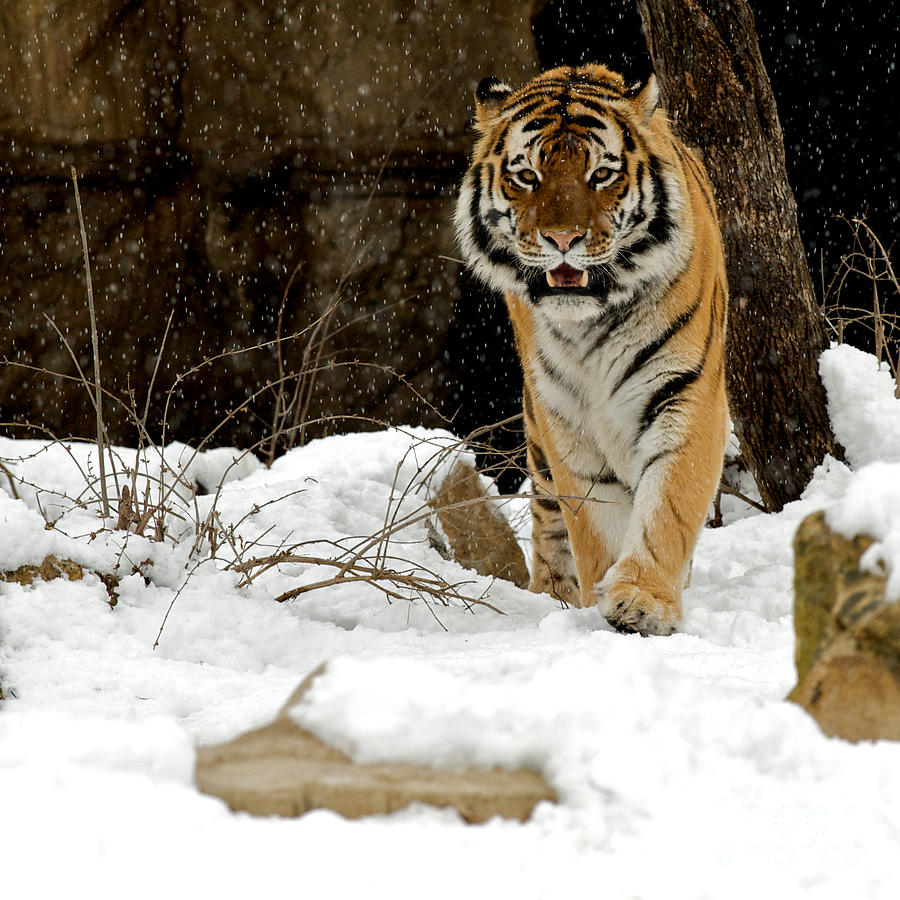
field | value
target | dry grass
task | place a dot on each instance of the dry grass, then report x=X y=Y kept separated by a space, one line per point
x=867 y=274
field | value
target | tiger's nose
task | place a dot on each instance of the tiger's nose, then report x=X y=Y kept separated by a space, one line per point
x=563 y=239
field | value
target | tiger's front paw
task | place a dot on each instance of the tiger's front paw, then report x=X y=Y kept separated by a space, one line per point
x=629 y=607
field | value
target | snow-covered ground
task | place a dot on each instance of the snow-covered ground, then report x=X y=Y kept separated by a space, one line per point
x=681 y=770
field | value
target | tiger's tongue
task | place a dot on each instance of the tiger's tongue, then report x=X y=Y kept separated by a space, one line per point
x=567 y=276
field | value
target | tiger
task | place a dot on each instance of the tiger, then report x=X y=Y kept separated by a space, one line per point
x=600 y=229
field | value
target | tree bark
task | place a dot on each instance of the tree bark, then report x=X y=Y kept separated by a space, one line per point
x=716 y=91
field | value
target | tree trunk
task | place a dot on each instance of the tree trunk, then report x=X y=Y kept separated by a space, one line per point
x=717 y=93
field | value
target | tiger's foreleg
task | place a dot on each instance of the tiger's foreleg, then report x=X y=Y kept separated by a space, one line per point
x=641 y=592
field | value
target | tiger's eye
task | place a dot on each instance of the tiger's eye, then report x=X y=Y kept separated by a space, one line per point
x=527 y=177
x=602 y=177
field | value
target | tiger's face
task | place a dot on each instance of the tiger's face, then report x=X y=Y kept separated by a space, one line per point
x=563 y=203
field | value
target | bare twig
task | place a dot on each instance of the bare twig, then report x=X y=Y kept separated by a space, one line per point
x=726 y=488
x=12 y=483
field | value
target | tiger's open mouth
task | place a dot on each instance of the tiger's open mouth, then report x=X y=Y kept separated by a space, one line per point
x=569 y=282
x=566 y=276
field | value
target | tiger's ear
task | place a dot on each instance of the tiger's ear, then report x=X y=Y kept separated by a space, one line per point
x=489 y=94
x=645 y=99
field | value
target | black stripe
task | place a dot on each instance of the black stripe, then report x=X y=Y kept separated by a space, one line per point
x=586 y=121
x=536 y=124
x=558 y=109
x=497 y=256
x=507 y=192
x=526 y=111
x=699 y=176
x=654 y=459
x=546 y=503
x=480 y=233
x=856 y=606
x=501 y=141
x=558 y=534
x=608 y=324
x=593 y=138
x=557 y=377
x=707 y=343
x=661 y=225
x=627 y=138
x=555 y=576
x=539 y=461
x=670 y=393
x=705 y=188
x=604 y=477
x=627 y=262
x=675 y=514
x=605 y=87
x=640 y=214
x=562 y=338
x=528 y=103
x=660 y=228
x=667 y=396
x=596 y=102
x=549 y=86
x=599 y=340
x=650 y=350
x=680 y=521
x=626 y=259
x=719 y=295
x=647 y=544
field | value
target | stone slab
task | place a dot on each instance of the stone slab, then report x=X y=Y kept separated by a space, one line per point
x=282 y=770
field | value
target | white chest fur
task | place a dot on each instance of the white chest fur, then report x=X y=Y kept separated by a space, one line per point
x=580 y=372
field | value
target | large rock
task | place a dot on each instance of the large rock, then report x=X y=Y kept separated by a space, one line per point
x=848 y=637
x=282 y=770
x=223 y=145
